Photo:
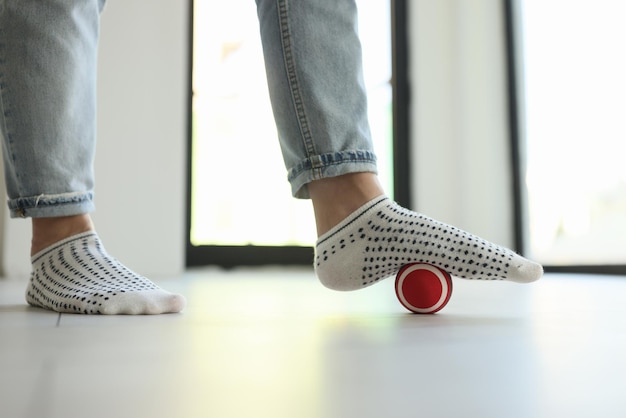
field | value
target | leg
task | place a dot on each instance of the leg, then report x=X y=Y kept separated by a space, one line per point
x=47 y=80
x=335 y=198
x=313 y=61
x=48 y=231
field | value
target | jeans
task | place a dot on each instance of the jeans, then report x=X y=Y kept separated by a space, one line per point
x=48 y=60
x=313 y=65
x=48 y=104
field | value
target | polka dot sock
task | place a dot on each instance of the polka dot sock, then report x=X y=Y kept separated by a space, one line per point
x=380 y=237
x=76 y=275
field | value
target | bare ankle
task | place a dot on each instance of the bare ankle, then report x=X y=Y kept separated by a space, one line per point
x=335 y=198
x=47 y=231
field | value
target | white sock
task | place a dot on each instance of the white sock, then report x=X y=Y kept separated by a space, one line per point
x=380 y=237
x=76 y=275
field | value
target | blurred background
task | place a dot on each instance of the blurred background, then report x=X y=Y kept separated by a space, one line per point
x=513 y=114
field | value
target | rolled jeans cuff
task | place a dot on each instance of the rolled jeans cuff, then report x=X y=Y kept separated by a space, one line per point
x=329 y=165
x=51 y=205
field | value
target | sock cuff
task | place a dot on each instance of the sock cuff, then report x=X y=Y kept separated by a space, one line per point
x=354 y=217
x=61 y=243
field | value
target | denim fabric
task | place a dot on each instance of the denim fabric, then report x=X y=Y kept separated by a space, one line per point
x=48 y=53
x=48 y=104
x=313 y=63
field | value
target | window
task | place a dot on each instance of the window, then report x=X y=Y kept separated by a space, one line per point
x=572 y=101
x=231 y=115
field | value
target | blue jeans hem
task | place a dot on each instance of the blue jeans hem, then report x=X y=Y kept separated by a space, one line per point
x=329 y=165
x=48 y=206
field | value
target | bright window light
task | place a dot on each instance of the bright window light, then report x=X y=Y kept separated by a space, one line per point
x=240 y=194
x=575 y=90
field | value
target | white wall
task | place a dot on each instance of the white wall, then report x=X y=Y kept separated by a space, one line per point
x=459 y=111
x=140 y=165
x=140 y=161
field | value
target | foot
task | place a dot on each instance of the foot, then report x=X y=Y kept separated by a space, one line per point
x=77 y=275
x=380 y=237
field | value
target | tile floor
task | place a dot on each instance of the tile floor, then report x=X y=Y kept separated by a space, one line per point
x=274 y=343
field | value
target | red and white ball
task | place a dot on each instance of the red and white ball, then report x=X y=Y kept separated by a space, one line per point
x=423 y=288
